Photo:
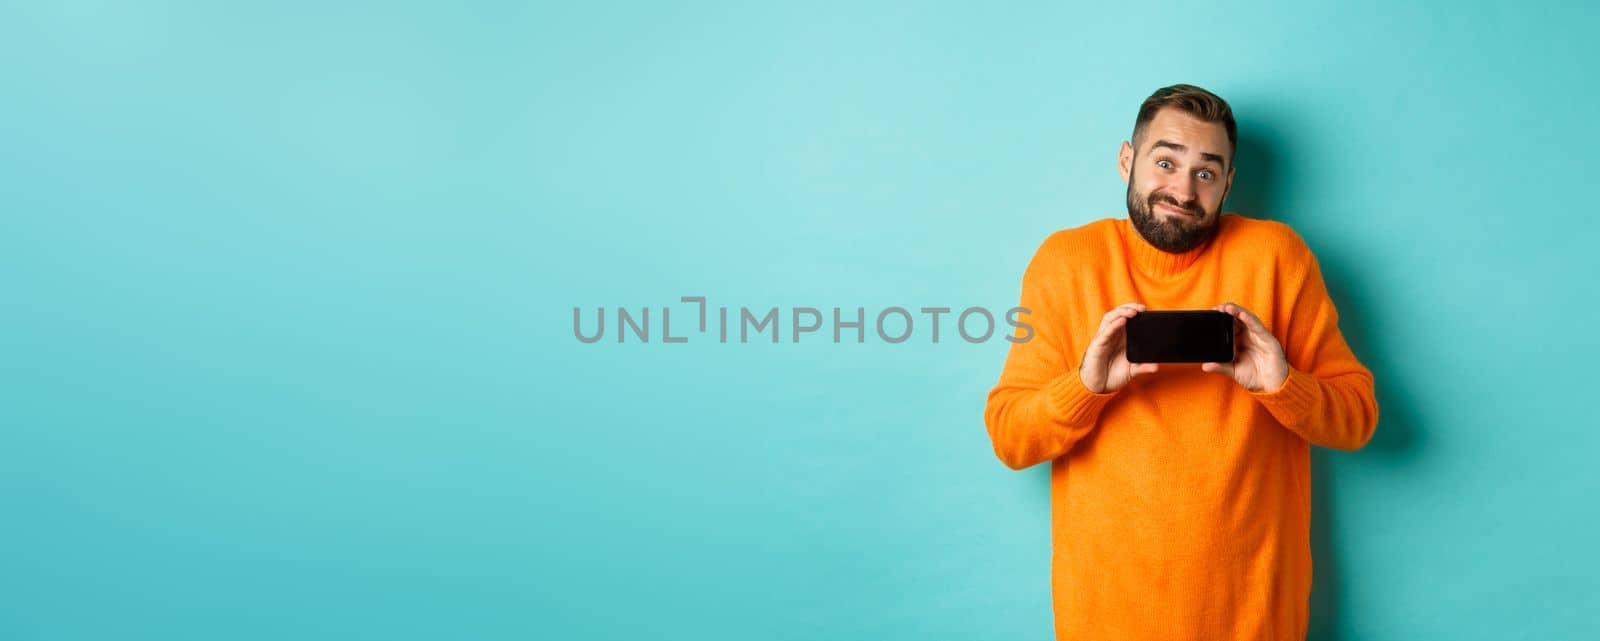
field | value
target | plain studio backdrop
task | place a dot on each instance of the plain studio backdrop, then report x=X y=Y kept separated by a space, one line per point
x=286 y=341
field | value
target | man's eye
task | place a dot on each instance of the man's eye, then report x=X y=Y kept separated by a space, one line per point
x=1164 y=164
x=1205 y=175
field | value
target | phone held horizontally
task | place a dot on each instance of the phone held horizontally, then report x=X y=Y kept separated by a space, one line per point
x=1180 y=336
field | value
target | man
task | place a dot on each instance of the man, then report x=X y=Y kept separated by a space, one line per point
x=1181 y=493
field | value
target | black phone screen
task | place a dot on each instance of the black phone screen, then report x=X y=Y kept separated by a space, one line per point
x=1199 y=336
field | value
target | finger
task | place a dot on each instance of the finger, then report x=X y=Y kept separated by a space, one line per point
x=1104 y=320
x=1244 y=329
x=1121 y=312
x=1226 y=369
x=1115 y=313
x=1143 y=368
x=1109 y=331
x=1125 y=310
x=1103 y=336
x=1231 y=309
x=1249 y=318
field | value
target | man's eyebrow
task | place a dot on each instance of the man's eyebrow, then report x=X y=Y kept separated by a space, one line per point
x=1182 y=148
x=1169 y=144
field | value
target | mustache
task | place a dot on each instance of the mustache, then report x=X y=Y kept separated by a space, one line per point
x=1193 y=205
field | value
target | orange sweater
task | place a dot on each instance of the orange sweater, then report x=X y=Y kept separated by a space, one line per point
x=1180 y=503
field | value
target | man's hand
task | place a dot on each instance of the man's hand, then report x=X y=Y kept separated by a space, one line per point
x=1105 y=365
x=1258 y=363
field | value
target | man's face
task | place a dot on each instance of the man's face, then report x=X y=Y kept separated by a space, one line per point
x=1177 y=179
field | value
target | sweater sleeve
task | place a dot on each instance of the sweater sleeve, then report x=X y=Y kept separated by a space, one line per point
x=1040 y=406
x=1328 y=397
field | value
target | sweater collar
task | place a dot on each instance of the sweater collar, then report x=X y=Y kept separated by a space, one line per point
x=1156 y=262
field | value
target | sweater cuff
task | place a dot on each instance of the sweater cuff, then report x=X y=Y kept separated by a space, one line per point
x=1072 y=403
x=1292 y=401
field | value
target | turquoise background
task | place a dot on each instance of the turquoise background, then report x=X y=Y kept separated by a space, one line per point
x=286 y=347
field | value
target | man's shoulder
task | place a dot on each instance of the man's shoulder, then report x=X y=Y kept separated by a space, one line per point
x=1090 y=242
x=1263 y=236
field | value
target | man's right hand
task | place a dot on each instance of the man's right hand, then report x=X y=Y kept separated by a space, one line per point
x=1105 y=366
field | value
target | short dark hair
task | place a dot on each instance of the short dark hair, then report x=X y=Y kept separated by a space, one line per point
x=1192 y=100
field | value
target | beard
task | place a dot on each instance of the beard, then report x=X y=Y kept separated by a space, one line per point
x=1172 y=235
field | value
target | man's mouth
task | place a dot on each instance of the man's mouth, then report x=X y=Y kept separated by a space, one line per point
x=1175 y=209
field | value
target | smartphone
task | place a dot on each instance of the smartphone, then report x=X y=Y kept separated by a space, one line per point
x=1180 y=336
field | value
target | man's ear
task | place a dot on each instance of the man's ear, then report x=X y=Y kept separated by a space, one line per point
x=1226 y=189
x=1125 y=161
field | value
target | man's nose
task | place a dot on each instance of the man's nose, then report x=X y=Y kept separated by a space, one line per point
x=1183 y=189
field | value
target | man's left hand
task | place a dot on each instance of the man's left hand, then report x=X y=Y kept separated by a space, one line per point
x=1258 y=363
